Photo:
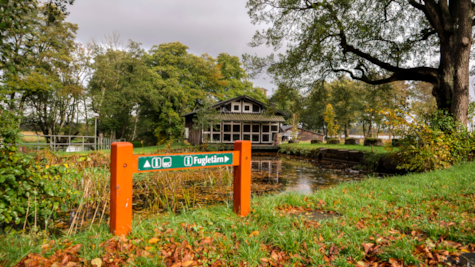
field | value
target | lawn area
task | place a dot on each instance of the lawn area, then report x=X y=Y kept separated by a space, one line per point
x=412 y=220
x=138 y=149
x=308 y=146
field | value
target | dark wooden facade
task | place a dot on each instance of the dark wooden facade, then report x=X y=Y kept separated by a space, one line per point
x=242 y=118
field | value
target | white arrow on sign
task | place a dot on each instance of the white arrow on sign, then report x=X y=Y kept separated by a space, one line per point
x=226 y=159
x=147 y=164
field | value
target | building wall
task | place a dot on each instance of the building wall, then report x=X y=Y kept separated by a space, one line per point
x=229 y=131
x=308 y=136
x=260 y=133
x=194 y=136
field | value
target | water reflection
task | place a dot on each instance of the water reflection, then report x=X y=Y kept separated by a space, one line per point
x=297 y=174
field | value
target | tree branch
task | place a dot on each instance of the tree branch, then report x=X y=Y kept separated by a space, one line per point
x=414 y=74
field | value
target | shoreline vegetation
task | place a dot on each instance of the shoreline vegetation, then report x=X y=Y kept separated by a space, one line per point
x=411 y=220
x=308 y=146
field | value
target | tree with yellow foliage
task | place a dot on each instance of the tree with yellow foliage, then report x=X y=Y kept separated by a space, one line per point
x=329 y=118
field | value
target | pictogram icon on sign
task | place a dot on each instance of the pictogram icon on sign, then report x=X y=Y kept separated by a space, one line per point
x=156 y=163
x=188 y=161
x=147 y=164
x=167 y=162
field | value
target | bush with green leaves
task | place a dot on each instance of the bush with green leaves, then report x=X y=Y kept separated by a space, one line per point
x=436 y=142
x=333 y=141
x=28 y=186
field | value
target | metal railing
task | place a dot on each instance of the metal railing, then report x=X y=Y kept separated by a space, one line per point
x=74 y=143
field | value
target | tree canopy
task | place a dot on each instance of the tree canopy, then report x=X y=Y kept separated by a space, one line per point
x=398 y=40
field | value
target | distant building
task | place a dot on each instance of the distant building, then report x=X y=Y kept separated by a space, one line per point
x=264 y=91
x=302 y=134
x=242 y=118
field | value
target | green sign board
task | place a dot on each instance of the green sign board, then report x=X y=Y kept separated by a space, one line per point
x=150 y=163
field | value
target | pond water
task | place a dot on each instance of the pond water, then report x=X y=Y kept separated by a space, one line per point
x=298 y=174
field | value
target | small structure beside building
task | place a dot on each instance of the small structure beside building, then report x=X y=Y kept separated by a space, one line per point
x=302 y=134
x=242 y=118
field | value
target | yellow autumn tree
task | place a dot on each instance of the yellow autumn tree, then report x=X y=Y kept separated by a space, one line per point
x=329 y=118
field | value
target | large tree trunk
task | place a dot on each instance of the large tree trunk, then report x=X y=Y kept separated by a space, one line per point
x=452 y=88
x=347 y=130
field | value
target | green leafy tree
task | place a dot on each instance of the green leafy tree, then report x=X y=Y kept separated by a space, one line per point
x=207 y=116
x=236 y=78
x=286 y=98
x=17 y=23
x=359 y=37
x=181 y=83
x=347 y=103
x=121 y=80
x=49 y=83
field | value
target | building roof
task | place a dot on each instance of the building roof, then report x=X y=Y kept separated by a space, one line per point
x=288 y=127
x=243 y=117
x=224 y=102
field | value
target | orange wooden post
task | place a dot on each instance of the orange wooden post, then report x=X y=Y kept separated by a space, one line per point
x=122 y=170
x=242 y=179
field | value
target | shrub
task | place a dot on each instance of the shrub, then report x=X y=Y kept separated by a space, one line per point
x=29 y=186
x=373 y=141
x=370 y=139
x=352 y=141
x=333 y=141
x=436 y=142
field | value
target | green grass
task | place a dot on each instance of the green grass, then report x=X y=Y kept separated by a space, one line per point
x=308 y=146
x=138 y=149
x=396 y=214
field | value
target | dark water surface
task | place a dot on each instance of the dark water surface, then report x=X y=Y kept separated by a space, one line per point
x=298 y=174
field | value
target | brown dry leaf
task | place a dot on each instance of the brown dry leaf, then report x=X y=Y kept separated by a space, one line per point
x=45 y=247
x=123 y=238
x=74 y=249
x=274 y=255
x=264 y=260
x=394 y=232
x=186 y=263
x=320 y=238
x=394 y=263
x=367 y=247
x=96 y=262
x=255 y=233
x=153 y=241
x=360 y=263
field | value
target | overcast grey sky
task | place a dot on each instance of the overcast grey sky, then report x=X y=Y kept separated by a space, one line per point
x=205 y=26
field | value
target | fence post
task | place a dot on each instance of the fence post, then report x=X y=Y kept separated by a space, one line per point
x=83 y=143
x=122 y=167
x=242 y=179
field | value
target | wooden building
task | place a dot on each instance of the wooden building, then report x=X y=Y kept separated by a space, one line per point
x=242 y=118
x=302 y=134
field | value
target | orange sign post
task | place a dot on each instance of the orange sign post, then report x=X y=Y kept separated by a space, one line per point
x=124 y=164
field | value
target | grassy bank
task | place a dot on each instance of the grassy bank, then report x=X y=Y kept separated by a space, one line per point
x=308 y=146
x=408 y=220
x=138 y=149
